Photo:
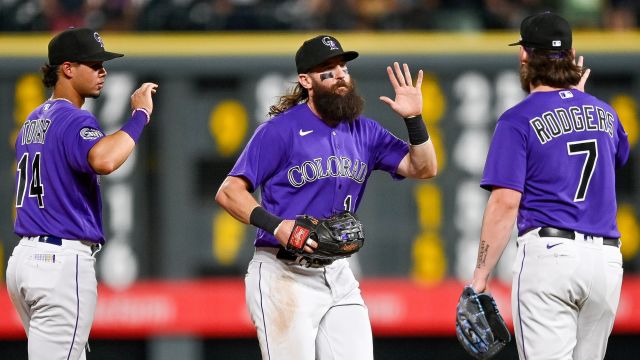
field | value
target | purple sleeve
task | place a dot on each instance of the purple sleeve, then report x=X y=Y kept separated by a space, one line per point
x=389 y=151
x=622 y=153
x=506 y=164
x=261 y=158
x=79 y=137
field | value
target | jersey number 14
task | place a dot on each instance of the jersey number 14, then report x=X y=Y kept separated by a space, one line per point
x=36 y=189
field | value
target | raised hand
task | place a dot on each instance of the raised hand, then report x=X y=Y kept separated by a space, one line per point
x=585 y=74
x=408 y=100
x=141 y=98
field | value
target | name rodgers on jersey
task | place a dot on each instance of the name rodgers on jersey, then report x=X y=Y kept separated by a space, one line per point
x=333 y=166
x=562 y=121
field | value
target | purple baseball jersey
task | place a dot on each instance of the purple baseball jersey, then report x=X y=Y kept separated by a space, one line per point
x=306 y=167
x=57 y=191
x=560 y=149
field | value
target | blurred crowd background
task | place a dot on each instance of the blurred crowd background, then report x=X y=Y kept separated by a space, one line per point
x=278 y=15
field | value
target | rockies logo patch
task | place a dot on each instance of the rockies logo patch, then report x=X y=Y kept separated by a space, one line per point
x=88 y=133
x=98 y=39
x=328 y=41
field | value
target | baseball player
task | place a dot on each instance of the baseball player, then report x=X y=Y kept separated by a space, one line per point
x=552 y=162
x=314 y=157
x=60 y=153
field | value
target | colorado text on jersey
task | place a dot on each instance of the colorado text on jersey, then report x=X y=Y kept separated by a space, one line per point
x=334 y=166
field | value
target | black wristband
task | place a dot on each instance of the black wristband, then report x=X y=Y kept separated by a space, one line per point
x=417 y=130
x=264 y=220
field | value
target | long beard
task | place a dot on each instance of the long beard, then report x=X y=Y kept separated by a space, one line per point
x=334 y=108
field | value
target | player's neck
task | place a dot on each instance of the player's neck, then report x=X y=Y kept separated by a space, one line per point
x=60 y=91
x=543 y=88
x=312 y=107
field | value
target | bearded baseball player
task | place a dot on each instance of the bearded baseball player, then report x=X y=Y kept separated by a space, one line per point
x=313 y=158
x=552 y=165
x=60 y=153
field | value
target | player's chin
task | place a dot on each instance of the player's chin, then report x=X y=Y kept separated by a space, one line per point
x=342 y=91
x=94 y=94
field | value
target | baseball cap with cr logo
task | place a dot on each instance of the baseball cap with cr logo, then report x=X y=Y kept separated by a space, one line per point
x=319 y=49
x=546 y=31
x=78 y=45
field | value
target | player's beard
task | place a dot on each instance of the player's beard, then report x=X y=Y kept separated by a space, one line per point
x=524 y=79
x=333 y=107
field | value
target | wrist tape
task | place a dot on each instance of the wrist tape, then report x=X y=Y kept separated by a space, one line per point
x=417 y=130
x=263 y=219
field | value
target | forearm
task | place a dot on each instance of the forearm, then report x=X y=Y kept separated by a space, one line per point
x=108 y=154
x=423 y=163
x=497 y=224
x=420 y=162
x=493 y=241
x=234 y=197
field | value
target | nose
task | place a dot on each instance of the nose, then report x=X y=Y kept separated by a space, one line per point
x=340 y=72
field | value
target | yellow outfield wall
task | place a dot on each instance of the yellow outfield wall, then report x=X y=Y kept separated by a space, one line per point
x=286 y=43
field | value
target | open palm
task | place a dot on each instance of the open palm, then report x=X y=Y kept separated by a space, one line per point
x=408 y=100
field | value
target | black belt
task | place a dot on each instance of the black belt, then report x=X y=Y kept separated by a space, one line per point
x=548 y=231
x=285 y=255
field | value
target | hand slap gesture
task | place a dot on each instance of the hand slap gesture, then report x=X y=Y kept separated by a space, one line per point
x=408 y=101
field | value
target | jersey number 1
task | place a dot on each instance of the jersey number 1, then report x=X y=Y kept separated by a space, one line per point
x=347 y=202
x=36 y=189
x=590 y=148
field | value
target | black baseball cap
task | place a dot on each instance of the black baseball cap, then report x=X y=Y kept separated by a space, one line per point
x=319 y=49
x=78 y=45
x=545 y=31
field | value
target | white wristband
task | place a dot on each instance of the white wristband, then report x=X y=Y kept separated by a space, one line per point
x=145 y=111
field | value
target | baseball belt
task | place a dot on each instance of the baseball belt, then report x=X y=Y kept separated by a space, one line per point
x=549 y=231
x=283 y=254
x=54 y=240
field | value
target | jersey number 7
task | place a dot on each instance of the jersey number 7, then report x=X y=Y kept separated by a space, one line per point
x=590 y=148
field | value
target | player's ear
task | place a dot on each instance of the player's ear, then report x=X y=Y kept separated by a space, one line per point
x=66 y=68
x=305 y=81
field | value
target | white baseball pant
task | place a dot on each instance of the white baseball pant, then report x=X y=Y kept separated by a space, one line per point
x=54 y=290
x=564 y=296
x=307 y=313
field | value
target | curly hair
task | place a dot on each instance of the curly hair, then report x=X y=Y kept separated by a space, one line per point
x=49 y=75
x=297 y=95
x=550 y=67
